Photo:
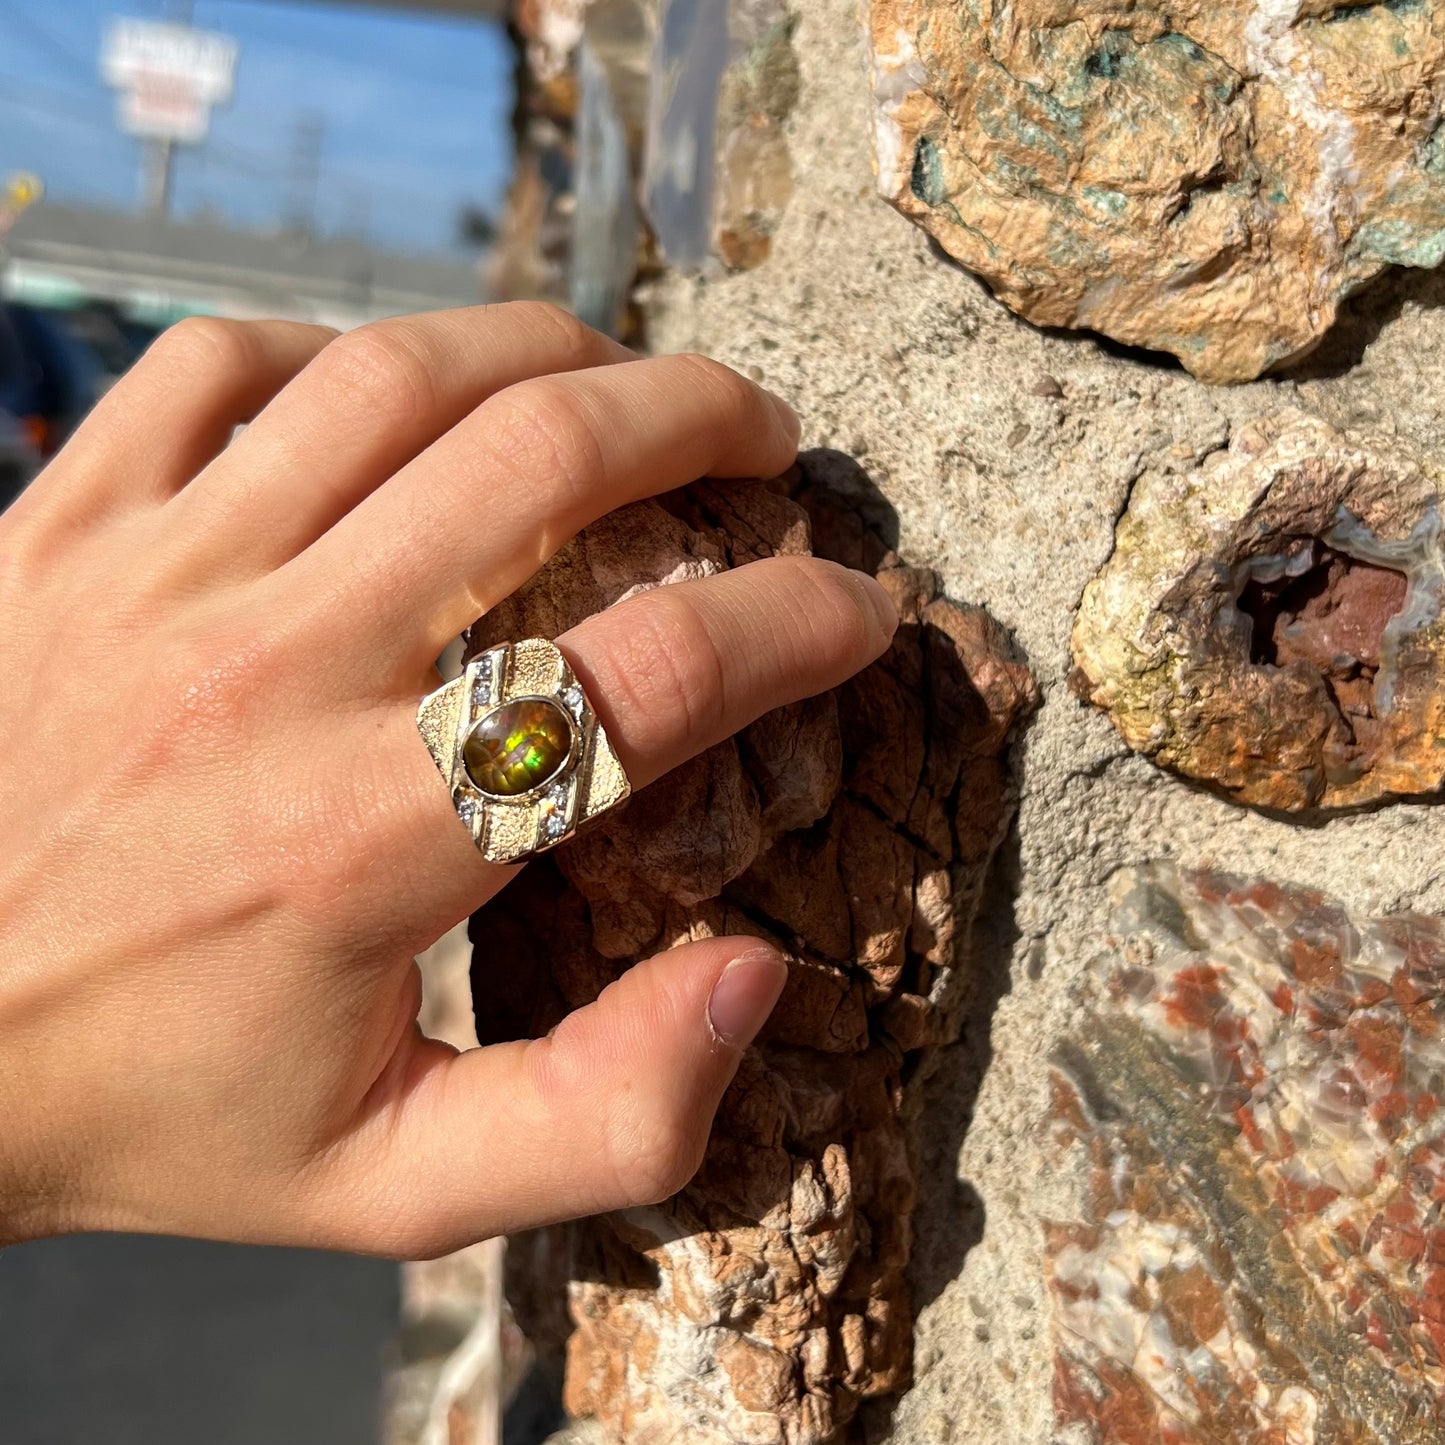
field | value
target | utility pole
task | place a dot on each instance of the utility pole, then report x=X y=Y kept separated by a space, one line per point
x=158 y=166
x=306 y=143
x=158 y=162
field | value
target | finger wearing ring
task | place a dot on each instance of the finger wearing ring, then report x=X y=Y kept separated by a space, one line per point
x=521 y=748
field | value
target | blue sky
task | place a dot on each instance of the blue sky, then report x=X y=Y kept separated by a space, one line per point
x=416 y=112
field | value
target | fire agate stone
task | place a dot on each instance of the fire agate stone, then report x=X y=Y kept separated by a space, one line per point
x=518 y=747
x=1254 y=1095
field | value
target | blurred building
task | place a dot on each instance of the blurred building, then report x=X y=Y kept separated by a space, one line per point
x=157 y=270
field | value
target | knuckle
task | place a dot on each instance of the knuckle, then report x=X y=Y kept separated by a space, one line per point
x=383 y=367
x=674 y=669
x=655 y=1155
x=212 y=343
x=577 y=343
x=648 y=1143
x=727 y=392
x=844 y=620
x=541 y=431
x=417 y=1241
x=380 y=1214
x=205 y=683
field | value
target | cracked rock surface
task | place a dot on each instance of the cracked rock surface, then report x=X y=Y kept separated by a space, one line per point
x=1270 y=621
x=1253 y=1093
x=854 y=831
x=1210 y=179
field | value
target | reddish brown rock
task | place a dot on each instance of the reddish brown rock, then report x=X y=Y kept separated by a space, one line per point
x=1254 y=1095
x=768 y=1299
x=1270 y=622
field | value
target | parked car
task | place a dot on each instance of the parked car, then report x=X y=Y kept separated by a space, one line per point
x=19 y=459
x=54 y=366
x=49 y=378
x=115 y=339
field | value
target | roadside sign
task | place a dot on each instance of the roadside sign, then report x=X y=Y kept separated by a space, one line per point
x=162 y=110
x=22 y=190
x=169 y=77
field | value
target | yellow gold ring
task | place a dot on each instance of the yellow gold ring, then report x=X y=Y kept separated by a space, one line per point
x=519 y=745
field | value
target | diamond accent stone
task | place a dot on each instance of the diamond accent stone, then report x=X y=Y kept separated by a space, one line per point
x=573 y=700
x=554 y=820
x=481 y=694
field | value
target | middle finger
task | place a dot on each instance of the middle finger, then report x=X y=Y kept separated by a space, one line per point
x=475 y=515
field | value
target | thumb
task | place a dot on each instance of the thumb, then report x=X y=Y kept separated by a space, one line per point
x=611 y=1109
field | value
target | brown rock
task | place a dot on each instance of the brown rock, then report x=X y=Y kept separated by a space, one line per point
x=1270 y=622
x=768 y=1299
x=1207 y=179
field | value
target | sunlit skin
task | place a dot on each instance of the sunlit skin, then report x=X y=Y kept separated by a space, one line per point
x=224 y=841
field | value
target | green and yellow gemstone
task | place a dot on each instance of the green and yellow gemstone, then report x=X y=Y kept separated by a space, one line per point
x=518 y=747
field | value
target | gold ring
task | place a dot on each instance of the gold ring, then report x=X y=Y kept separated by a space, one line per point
x=520 y=747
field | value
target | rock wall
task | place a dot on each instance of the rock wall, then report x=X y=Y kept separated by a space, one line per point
x=854 y=831
x=1009 y=454
x=1223 y=595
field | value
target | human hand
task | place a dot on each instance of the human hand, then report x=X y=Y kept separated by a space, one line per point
x=224 y=841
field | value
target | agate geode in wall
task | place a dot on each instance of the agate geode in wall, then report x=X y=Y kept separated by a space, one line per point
x=1209 y=179
x=1253 y=1096
x=1270 y=621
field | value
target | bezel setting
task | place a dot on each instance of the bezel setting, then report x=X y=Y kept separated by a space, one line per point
x=591 y=779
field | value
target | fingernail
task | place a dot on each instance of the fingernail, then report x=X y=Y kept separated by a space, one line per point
x=791 y=422
x=877 y=599
x=745 y=995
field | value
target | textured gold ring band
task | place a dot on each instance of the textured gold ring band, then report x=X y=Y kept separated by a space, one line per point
x=520 y=747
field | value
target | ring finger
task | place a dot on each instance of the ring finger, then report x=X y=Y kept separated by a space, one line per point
x=669 y=672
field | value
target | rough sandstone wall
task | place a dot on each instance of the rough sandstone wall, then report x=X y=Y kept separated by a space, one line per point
x=1008 y=454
